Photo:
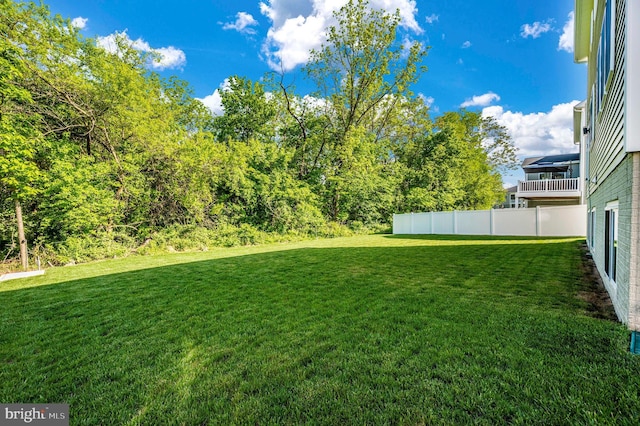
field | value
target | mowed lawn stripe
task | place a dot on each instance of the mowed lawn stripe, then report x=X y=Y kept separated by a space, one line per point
x=374 y=329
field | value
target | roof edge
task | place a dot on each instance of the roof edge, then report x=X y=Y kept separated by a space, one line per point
x=582 y=30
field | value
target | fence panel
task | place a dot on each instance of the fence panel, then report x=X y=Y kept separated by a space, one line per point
x=402 y=224
x=443 y=223
x=563 y=221
x=474 y=222
x=515 y=222
x=569 y=221
x=421 y=223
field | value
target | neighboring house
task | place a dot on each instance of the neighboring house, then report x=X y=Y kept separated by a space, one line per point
x=552 y=180
x=510 y=199
x=607 y=38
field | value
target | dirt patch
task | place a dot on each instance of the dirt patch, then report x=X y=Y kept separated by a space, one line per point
x=593 y=292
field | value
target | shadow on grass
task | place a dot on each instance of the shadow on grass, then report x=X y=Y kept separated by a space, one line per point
x=330 y=335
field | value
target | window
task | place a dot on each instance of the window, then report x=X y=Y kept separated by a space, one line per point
x=591 y=229
x=591 y=118
x=611 y=240
x=606 y=49
x=574 y=170
x=533 y=176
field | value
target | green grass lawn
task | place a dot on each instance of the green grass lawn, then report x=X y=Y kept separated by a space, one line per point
x=364 y=330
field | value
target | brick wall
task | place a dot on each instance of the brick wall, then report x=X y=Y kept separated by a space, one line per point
x=618 y=186
x=634 y=266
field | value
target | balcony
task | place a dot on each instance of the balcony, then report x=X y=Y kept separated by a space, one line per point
x=549 y=187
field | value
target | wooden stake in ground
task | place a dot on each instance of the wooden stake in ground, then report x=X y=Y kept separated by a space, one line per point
x=21 y=238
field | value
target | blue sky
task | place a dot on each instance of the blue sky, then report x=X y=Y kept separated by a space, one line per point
x=511 y=59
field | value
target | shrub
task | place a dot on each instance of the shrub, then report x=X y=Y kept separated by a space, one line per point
x=80 y=249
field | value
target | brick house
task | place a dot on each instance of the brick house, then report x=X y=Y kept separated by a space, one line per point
x=607 y=39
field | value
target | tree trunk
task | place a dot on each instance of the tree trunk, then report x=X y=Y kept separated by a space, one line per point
x=21 y=238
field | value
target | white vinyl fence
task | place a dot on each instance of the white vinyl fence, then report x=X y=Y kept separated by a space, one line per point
x=564 y=221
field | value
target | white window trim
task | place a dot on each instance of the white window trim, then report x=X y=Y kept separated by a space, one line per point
x=609 y=63
x=592 y=117
x=593 y=214
x=612 y=205
x=612 y=50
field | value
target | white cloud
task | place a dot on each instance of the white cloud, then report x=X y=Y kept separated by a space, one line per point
x=428 y=100
x=432 y=18
x=407 y=44
x=314 y=103
x=287 y=46
x=110 y=42
x=243 y=23
x=566 y=39
x=163 y=57
x=535 y=30
x=79 y=22
x=169 y=57
x=480 y=100
x=466 y=44
x=279 y=11
x=407 y=9
x=298 y=26
x=542 y=133
x=214 y=100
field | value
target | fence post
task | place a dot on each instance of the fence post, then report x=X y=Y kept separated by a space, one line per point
x=538 y=224
x=411 y=225
x=431 y=222
x=491 y=222
x=455 y=222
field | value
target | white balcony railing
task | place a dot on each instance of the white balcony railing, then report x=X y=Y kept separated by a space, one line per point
x=550 y=185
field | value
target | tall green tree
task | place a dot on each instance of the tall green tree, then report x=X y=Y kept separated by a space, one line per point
x=453 y=166
x=363 y=68
x=248 y=111
x=361 y=73
x=93 y=145
x=100 y=129
x=19 y=174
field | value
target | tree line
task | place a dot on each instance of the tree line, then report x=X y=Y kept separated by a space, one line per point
x=99 y=155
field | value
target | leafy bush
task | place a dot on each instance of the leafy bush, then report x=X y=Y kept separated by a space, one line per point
x=77 y=199
x=78 y=249
x=192 y=238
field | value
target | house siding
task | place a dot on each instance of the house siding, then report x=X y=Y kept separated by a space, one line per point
x=607 y=148
x=621 y=185
x=632 y=88
x=552 y=202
